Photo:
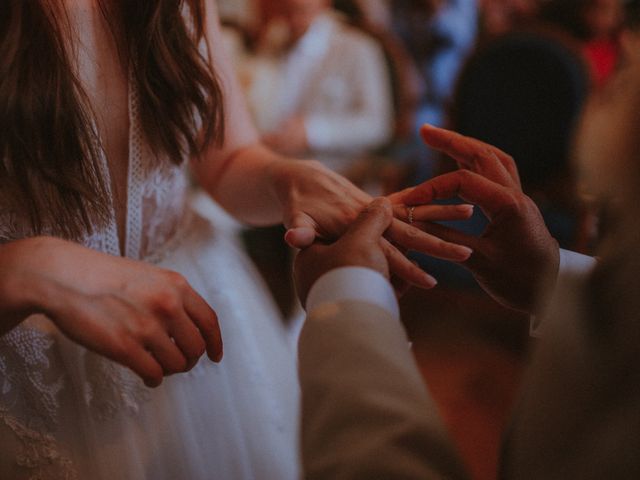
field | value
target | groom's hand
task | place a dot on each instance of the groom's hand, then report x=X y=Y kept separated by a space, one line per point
x=360 y=246
x=516 y=250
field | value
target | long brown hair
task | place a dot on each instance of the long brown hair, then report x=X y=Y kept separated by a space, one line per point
x=49 y=151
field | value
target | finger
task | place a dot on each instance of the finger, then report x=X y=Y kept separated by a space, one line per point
x=453 y=143
x=372 y=221
x=188 y=339
x=397 y=198
x=120 y=348
x=403 y=268
x=471 y=187
x=414 y=239
x=450 y=234
x=206 y=320
x=141 y=362
x=166 y=353
x=432 y=213
x=300 y=238
x=301 y=231
x=473 y=154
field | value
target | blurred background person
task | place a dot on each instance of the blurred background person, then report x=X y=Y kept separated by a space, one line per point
x=596 y=25
x=439 y=35
x=407 y=86
x=501 y=16
x=322 y=88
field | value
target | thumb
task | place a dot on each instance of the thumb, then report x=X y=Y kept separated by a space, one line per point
x=301 y=233
x=372 y=221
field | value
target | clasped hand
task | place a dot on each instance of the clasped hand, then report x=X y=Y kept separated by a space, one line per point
x=508 y=259
x=320 y=205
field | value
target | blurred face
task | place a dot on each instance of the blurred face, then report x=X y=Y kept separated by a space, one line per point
x=603 y=17
x=300 y=14
x=500 y=16
x=608 y=146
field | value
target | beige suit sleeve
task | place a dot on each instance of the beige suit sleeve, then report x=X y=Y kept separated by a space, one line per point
x=366 y=411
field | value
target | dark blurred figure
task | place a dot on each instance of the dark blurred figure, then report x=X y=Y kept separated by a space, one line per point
x=439 y=35
x=594 y=23
x=331 y=97
x=523 y=93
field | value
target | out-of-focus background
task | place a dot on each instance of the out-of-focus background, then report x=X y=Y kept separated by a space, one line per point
x=349 y=83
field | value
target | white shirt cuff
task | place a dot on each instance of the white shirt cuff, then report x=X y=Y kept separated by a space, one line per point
x=353 y=283
x=572 y=262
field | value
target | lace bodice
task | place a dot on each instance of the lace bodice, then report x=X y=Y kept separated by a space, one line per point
x=29 y=391
x=34 y=373
x=156 y=200
x=67 y=413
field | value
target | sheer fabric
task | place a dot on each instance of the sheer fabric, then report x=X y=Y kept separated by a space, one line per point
x=67 y=413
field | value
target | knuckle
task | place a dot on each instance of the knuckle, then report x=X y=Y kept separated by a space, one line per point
x=465 y=174
x=145 y=331
x=412 y=234
x=176 y=279
x=509 y=159
x=511 y=203
x=168 y=303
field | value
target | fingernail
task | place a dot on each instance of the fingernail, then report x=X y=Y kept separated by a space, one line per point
x=466 y=208
x=429 y=282
x=463 y=252
x=218 y=358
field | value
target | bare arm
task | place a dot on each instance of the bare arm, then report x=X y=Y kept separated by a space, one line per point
x=138 y=315
x=260 y=187
x=242 y=164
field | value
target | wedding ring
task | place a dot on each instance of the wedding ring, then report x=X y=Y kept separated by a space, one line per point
x=410 y=211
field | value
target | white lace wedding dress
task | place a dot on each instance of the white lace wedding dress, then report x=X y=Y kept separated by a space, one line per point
x=66 y=413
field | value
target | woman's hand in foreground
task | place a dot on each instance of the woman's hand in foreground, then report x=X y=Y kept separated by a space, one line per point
x=138 y=315
x=320 y=204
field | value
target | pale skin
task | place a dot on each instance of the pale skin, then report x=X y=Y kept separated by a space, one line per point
x=149 y=319
x=290 y=138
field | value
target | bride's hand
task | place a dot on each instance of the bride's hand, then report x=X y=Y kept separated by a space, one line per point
x=319 y=203
x=138 y=315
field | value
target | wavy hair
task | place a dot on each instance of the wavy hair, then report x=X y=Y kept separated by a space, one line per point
x=49 y=149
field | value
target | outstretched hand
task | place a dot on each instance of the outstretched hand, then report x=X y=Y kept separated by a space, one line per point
x=516 y=250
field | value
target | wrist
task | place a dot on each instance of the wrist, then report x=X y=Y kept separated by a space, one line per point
x=25 y=288
x=281 y=174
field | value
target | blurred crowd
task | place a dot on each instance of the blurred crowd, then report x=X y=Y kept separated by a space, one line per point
x=350 y=82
